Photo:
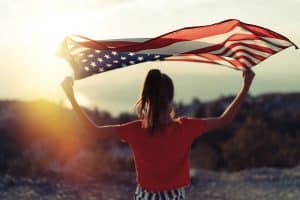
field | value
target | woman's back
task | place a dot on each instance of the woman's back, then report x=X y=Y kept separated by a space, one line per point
x=162 y=159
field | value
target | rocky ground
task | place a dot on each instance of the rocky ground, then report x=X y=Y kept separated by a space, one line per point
x=254 y=184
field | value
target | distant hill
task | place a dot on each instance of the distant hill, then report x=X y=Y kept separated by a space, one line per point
x=266 y=132
x=38 y=137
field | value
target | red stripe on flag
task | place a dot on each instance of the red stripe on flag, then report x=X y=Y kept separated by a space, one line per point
x=259 y=57
x=184 y=34
x=264 y=32
x=216 y=57
x=190 y=60
x=246 y=58
x=107 y=44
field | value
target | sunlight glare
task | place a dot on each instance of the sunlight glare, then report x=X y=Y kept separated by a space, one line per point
x=57 y=26
x=46 y=67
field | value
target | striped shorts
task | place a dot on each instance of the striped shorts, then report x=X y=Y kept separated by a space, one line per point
x=176 y=194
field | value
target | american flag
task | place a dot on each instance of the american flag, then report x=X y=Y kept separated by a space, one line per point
x=230 y=43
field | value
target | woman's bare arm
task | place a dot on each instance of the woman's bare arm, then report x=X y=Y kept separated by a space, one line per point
x=234 y=107
x=94 y=130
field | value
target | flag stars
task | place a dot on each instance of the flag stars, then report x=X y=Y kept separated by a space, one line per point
x=97 y=61
x=93 y=64
x=86 y=68
x=101 y=69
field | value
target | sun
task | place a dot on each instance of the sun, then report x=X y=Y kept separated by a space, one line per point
x=56 y=26
x=47 y=70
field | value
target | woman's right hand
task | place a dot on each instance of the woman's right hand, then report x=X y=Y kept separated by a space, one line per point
x=67 y=85
x=248 y=76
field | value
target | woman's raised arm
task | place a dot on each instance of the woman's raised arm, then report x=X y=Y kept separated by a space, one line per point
x=231 y=111
x=94 y=130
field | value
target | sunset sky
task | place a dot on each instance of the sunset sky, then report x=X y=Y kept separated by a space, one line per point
x=32 y=30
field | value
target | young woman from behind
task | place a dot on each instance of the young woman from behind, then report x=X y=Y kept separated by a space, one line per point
x=160 y=142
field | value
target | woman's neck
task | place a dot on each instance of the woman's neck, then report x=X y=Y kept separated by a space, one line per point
x=164 y=120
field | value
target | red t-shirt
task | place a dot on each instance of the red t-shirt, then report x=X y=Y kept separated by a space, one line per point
x=162 y=161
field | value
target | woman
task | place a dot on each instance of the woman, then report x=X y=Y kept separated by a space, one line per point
x=160 y=143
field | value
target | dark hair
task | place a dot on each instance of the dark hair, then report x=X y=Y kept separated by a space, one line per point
x=156 y=97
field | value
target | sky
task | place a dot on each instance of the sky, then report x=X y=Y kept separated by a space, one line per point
x=32 y=30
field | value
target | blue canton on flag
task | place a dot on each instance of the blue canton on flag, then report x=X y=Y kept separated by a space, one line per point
x=97 y=61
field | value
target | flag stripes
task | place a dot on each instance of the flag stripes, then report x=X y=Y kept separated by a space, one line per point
x=231 y=43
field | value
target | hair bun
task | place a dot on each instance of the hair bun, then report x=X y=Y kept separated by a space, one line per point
x=154 y=75
x=153 y=79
